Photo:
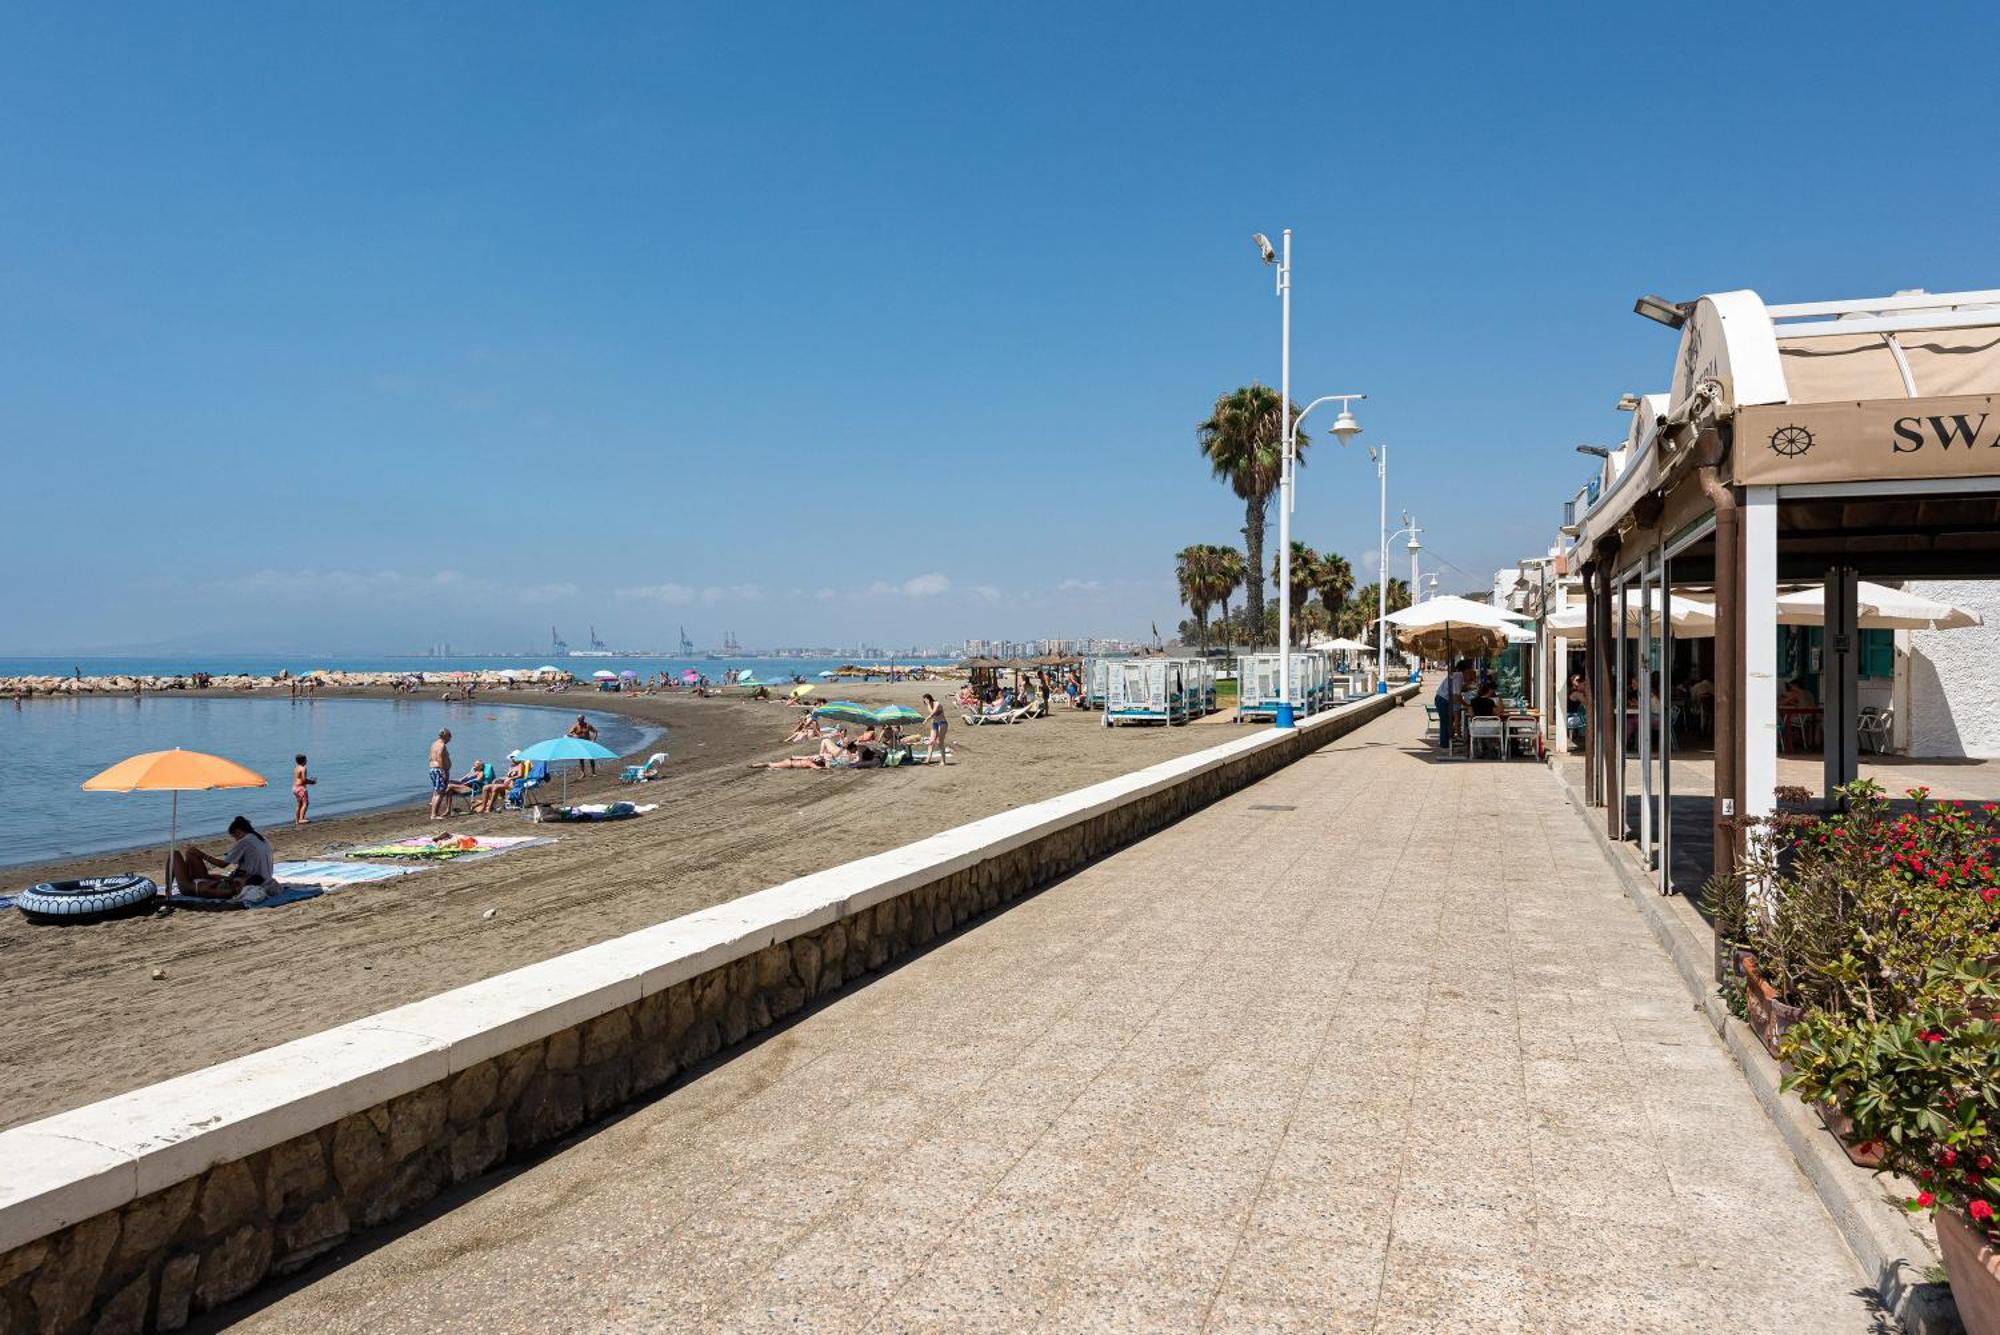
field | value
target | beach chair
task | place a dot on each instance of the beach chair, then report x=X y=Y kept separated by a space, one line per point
x=643 y=773
x=1875 y=726
x=538 y=774
x=1431 y=723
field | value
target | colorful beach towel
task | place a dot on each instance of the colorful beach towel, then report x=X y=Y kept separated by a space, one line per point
x=590 y=811
x=291 y=894
x=425 y=849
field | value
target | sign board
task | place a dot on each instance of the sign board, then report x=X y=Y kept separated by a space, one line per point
x=1873 y=440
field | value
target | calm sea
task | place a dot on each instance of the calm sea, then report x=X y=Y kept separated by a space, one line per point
x=767 y=669
x=365 y=753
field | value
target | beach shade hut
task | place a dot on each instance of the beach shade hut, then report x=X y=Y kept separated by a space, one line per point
x=1259 y=680
x=174 y=772
x=1097 y=681
x=845 y=712
x=1146 y=690
x=578 y=749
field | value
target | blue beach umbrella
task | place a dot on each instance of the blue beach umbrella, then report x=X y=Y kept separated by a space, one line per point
x=567 y=748
x=898 y=716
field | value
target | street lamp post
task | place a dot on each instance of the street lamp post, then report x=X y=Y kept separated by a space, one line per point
x=1344 y=426
x=1381 y=458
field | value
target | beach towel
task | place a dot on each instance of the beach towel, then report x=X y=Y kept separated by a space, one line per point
x=426 y=849
x=285 y=894
x=333 y=872
x=590 y=811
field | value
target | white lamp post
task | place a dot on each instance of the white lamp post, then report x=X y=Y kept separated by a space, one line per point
x=1344 y=427
x=1409 y=527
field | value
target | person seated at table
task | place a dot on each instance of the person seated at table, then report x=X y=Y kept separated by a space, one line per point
x=1576 y=710
x=1486 y=704
x=1796 y=696
x=248 y=869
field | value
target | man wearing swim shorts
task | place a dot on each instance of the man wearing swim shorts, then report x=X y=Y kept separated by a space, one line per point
x=441 y=775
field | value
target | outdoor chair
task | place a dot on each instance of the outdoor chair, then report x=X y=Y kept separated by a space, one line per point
x=1485 y=730
x=1430 y=723
x=1873 y=728
x=642 y=773
x=1524 y=737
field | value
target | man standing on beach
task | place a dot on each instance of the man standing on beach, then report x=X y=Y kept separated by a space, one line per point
x=441 y=775
x=582 y=729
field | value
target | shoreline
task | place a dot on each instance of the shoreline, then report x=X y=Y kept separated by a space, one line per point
x=652 y=729
x=98 y=1009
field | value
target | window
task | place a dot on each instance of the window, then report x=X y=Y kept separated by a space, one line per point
x=1878 y=653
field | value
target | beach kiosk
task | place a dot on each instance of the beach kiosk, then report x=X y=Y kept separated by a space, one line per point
x=1819 y=445
x=1147 y=690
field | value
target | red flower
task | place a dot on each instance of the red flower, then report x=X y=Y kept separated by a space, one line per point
x=1948 y=1158
x=1980 y=1211
x=1984 y=1162
x=1931 y=1036
x=1926 y=1200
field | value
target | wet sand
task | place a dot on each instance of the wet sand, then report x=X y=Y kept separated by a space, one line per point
x=85 y=1018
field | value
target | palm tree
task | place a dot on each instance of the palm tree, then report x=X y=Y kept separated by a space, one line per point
x=1194 y=571
x=1335 y=582
x=1305 y=572
x=1357 y=618
x=1228 y=576
x=1243 y=441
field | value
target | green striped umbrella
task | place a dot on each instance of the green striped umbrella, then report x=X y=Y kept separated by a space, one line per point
x=846 y=711
x=898 y=716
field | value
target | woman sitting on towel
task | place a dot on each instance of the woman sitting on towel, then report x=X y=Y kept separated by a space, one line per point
x=251 y=870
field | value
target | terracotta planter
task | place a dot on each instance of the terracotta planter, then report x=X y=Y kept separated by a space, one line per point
x=1865 y=1153
x=1769 y=1017
x=1973 y=1266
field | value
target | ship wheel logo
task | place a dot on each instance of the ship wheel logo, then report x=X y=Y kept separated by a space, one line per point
x=1791 y=441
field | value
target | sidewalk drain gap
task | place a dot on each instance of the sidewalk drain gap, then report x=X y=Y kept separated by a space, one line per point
x=1268 y=806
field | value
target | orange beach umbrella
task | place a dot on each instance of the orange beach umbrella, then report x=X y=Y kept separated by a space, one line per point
x=175 y=772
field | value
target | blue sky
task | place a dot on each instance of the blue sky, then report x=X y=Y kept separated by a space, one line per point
x=365 y=326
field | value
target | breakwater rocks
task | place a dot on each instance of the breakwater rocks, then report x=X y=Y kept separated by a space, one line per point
x=504 y=679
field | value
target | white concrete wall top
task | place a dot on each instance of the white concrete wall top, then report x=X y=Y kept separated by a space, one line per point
x=70 y=1166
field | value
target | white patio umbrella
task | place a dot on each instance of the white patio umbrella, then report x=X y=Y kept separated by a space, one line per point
x=1880 y=608
x=1447 y=624
x=1692 y=618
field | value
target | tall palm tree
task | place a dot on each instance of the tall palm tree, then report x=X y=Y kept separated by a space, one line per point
x=1194 y=571
x=1243 y=441
x=1228 y=576
x=1305 y=572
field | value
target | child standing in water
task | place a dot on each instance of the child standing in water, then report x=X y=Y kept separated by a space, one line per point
x=301 y=789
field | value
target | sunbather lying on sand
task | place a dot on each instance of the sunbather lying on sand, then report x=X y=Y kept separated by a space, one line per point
x=833 y=754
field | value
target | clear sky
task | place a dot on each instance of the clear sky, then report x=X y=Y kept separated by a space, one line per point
x=353 y=326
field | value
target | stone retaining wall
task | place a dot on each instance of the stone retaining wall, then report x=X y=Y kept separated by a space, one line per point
x=200 y=1242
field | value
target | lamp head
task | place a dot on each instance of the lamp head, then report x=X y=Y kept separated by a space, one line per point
x=1628 y=403
x=1347 y=428
x=1671 y=314
x=1264 y=247
x=1597 y=450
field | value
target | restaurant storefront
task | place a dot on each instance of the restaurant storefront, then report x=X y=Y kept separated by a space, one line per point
x=1822 y=444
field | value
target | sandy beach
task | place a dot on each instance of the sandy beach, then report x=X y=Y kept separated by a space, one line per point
x=86 y=1018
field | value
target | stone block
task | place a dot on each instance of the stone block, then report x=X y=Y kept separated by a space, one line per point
x=65 y=1286
x=805 y=964
x=774 y=966
x=786 y=1000
x=25 y=1259
x=517 y=1068
x=233 y=1267
x=412 y=1183
x=293 y=1171
x=479 y=1147
x=229 y=1199
x=742 y=979
x=551 y=1105
x=606 y=1085
x=606 y=1038
x=701 y=1041
x=649 y=1016
x=680 y=1011
x=759 y=1013
x=563 y=1051
x=471 y=1092
x=711 y=996
x=832 y=958
x=653 y=1064
x=151 y=1222
x=176 y=1291
x=125 y=1314
x=416 y=1121
x=358 y=1157
x=323 y=1225
x=735 y=1020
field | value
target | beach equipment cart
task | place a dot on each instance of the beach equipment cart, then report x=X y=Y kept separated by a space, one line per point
x=1146 y=690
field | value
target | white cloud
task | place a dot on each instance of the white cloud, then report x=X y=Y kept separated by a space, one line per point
x=673 y=595
x=1073 y=585
x=918 y=586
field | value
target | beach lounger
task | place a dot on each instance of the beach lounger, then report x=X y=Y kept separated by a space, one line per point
x=643 y=773
x=538 y=774
x=1004 y=716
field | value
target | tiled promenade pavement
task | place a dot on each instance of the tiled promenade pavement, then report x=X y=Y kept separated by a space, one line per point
x=1376 y=1044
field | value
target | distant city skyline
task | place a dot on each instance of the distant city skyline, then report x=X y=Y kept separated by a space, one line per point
x=371 y=327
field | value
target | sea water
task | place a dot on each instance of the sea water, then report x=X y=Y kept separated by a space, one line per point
x=366 y=754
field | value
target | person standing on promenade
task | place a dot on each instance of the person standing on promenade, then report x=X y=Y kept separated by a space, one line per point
x=441 y=775
x=1451 y=686
x=582 y=729
x=934 y=716
x=302 y=783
